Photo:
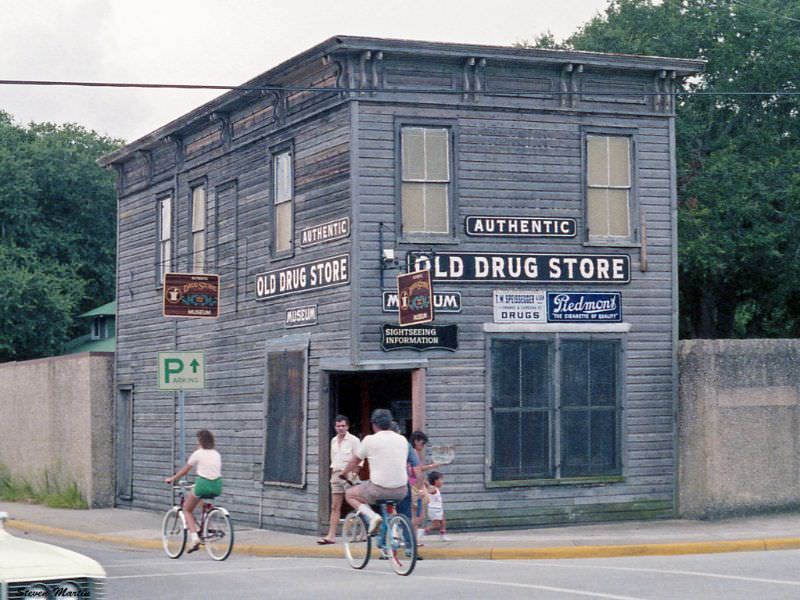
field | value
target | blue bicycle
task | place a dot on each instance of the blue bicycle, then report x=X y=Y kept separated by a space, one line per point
x=395 y=539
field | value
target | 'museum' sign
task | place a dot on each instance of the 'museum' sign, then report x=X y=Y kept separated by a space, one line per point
x=415 y=297
x=521 y=226
x=522 y=267
x=323 y=273
x=326 y=232
x=443 y=302
x=584 y=307
x=419 y=337
x=191 y=295
x=301 y=316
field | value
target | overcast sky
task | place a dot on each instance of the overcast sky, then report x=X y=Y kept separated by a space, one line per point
x=219 y=42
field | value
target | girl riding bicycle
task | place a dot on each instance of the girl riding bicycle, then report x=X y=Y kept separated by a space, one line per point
x=208 y=482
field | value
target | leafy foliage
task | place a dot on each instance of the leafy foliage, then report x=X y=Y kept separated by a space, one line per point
x=738 y=154
x=57 y=234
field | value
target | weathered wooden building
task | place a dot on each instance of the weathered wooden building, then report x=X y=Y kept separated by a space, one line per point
x=537 y=185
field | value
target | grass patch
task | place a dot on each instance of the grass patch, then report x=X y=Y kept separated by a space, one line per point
x=45 y=490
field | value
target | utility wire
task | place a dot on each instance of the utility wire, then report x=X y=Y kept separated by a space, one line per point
x=766 y=10
x=338 y=90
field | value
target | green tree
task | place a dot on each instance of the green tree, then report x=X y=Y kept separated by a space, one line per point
x=738 y=154
x=57 y=234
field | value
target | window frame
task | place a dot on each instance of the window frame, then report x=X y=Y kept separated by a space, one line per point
x=161 y=268
x=451 y=126
x=297 y=343
x=276 y=151
x=632 y=239
x=555 y=444
x=200 y=184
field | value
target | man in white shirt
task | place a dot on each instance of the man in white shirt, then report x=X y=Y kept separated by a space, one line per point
x=344 y=446
x=387 y=453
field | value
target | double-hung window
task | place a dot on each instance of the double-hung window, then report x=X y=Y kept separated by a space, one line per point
x=164 y=237
x=608 y=188
x=198 y=229
x=425 y=180
x=283 y=200
x=555 y=408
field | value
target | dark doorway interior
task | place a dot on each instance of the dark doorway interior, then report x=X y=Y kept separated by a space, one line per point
x=356 y=395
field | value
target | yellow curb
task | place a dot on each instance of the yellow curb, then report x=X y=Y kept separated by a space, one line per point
x=27 y=526
x=556 y=552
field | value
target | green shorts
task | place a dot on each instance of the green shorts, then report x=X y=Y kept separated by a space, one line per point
x=207 y=488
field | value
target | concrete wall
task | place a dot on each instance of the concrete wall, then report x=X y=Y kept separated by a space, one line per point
x=56 y=418
x=739 y=426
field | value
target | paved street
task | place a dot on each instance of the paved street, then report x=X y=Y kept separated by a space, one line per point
x=145 y=573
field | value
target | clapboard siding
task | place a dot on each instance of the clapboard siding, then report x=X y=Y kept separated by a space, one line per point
x=529 y=164
x=518 y=151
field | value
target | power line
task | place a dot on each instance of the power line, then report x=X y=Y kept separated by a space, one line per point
x=349 y=90
x=766 y=10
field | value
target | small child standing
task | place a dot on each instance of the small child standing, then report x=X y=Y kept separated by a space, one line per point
x=435 y=507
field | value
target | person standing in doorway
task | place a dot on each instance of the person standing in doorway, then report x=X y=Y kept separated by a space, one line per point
x=344 y=446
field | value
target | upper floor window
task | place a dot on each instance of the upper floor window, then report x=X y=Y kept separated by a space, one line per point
x=198 y=229
x=283 y=194
x=608 y=187
x=425 y=180
x=164 y=237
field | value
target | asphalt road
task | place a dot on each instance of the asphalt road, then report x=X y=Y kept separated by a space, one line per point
x=135 y=574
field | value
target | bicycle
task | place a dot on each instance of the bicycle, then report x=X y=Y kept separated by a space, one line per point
x=215 y=528
x=395 y=539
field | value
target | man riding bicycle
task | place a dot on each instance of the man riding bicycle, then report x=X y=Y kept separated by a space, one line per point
x=387 y=453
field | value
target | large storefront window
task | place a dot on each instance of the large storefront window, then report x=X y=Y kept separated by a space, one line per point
x=555 y=408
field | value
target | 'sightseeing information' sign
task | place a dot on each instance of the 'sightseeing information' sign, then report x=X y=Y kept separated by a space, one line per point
x=419 y=337
x=294 y=279
x=522 y=267
x=521 y=226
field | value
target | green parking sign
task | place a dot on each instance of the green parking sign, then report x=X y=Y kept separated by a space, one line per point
x=181 y=371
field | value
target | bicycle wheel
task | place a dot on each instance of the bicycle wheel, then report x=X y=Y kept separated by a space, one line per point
x=401 y=544
x=173 y=532
x=218 y=534
x=357 y=544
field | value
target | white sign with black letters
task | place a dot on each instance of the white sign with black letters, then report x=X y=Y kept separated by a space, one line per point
x=519 y=306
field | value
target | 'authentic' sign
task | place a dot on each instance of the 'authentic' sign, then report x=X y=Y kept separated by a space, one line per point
x=325 y=232
x=415 y=297
x=581 y=307
x=323 y=273
x=419 y=337
x=522 y=267
x=521 y=226
x=301 y=316
x=443 y=302
x=191 y=295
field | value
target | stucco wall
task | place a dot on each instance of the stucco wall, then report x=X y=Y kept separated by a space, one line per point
x=56 y=418
x=739 y=426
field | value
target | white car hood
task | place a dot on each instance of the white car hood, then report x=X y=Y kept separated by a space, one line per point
x=26 y=560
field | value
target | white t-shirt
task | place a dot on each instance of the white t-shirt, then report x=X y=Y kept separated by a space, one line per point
x=342 y=453
x=387 y=452
x=207 y=463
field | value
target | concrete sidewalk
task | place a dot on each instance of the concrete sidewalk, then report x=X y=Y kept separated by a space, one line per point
x=140 y=528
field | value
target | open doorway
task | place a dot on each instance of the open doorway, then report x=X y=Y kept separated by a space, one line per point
x=355 y=395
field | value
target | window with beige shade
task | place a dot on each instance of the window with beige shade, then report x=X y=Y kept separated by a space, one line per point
x=283 y=195
x=425 y=180
x=198 y=229
x=608 y=188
